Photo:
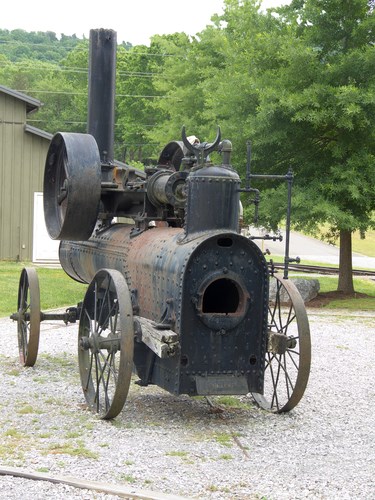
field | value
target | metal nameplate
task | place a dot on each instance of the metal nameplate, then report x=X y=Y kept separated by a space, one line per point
x=212 y=385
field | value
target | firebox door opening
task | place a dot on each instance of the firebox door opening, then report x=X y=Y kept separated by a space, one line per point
x=222 y=296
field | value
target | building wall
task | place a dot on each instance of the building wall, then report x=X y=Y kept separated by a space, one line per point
x=22 y=158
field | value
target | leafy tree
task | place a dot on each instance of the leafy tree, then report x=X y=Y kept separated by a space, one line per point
x=185 y=84
x=316 y=113
x=304 y=80
x=145 y=98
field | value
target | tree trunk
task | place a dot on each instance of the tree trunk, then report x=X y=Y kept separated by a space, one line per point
x=345 y=284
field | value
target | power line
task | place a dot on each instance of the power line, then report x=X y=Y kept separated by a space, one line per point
x=80 y=123
x=67 y=69
x=30 y=91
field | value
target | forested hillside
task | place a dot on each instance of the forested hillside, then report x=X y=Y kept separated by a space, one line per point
x=18 y=45
x=298 y=81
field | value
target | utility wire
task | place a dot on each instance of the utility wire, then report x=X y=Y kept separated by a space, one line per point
x=136 y=96
x=67 y=69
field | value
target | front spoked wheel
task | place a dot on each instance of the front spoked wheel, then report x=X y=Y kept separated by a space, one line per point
x=288 y=356
x=105 y=343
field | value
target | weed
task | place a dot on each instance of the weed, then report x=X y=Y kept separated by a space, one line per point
x=43 y=469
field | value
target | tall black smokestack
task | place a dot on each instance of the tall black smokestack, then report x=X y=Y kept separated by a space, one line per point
x=101 y=99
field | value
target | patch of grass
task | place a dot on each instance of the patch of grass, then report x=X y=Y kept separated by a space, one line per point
x=230 y=402
x=11 y=451
x=342 y=347
x=73 y=434
x=128 y=478
x=212 y=487
x=177 y=453
x=77 y=449
x=225 y=456
x=41 y=379
x=43 y=469
x=224 y=439
x=14 y=372
x=56 y=288
x=62 y=360
x=54 y=401
x=14 y=433
x=45 y=435
x=28 y=409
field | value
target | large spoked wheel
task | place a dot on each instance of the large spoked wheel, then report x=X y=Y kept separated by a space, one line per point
x=28 y=316
x=72 y=186
x=288 y=356
x=106 y=343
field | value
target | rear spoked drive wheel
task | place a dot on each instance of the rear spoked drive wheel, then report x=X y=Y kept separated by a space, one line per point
x=106 y=343
x=288 y=356
x=28 y=316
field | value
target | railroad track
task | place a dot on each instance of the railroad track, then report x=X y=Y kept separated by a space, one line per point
x=322 y=269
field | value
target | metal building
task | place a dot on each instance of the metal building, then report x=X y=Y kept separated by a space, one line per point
x=23 y=150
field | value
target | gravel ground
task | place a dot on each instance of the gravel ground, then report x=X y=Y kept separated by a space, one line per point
x=323 y=449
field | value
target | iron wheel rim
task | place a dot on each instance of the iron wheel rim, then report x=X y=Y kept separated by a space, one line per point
x=105 y=343
x=28 y=323
x=286 y=375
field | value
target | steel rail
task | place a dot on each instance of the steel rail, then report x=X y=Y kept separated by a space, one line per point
x=322 y=269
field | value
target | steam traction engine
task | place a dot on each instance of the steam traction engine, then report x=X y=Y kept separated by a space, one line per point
x=175 y=292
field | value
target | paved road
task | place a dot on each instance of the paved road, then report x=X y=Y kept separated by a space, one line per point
x=308 y=248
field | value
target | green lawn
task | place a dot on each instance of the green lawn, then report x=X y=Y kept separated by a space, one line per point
x=358 y=302
x=56 y=288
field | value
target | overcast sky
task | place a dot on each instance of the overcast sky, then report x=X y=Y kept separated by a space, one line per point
x=134 y=20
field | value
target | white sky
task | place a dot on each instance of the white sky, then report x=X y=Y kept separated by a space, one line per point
x=135 y=21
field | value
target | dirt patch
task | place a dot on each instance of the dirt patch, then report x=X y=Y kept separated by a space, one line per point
x=322 y=299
